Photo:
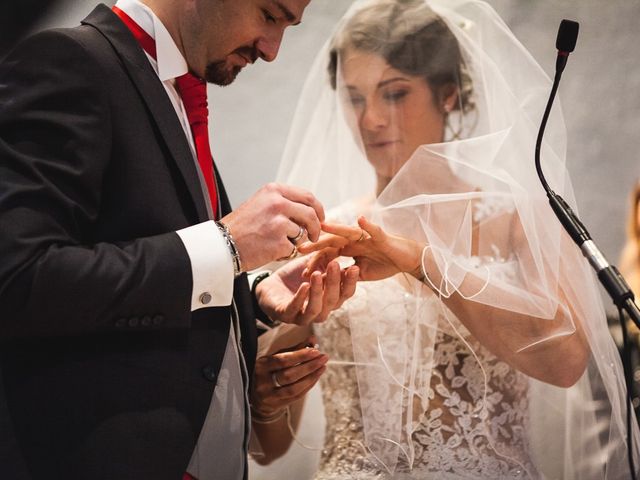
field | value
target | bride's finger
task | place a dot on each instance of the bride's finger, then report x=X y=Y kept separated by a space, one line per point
x=326 y=241
x=293 y=374
x=376 y=232
x=352 y=233
x=295 y=391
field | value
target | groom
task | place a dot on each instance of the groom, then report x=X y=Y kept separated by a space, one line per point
x=126 y=323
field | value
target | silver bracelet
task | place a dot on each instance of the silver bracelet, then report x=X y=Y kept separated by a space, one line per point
x=231 y=244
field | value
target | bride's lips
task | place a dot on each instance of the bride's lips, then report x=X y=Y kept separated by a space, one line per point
x=382 y=144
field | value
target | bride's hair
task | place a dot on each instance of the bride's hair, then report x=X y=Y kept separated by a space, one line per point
x=411 y=38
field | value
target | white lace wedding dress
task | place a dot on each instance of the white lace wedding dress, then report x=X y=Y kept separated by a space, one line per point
x=454 y=437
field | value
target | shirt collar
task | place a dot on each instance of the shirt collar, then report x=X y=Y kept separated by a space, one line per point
x=170 y=62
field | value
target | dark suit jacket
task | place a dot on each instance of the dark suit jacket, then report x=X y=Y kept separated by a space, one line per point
x=108 y=374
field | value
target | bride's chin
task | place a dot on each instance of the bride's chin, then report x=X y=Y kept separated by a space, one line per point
x=386 y=166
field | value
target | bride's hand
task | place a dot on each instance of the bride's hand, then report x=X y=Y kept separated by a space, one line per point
x=284 y=377
x=378 y=254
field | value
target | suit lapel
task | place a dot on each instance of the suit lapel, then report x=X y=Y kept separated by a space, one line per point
x=154 y=95
x=224 y=205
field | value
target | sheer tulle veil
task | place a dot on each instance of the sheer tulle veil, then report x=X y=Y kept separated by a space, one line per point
x=475 y=200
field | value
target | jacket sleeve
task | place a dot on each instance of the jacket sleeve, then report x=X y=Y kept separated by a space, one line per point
x=55 y=278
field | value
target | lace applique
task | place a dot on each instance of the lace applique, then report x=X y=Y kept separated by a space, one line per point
x=450 y=438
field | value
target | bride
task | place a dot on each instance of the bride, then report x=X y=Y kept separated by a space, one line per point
x=478 y=346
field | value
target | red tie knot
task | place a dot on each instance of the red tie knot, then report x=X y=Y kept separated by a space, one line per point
x=194 y=97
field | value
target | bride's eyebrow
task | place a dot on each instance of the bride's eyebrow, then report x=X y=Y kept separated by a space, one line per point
x=384 y=83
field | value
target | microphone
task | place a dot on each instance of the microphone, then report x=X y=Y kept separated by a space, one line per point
x=567 y=36
x=566 y=42
x=608 y=274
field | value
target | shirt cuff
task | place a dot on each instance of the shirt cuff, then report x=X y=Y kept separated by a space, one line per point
x=211 y=265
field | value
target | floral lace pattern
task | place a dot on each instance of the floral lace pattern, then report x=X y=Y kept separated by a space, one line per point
x=451 y=437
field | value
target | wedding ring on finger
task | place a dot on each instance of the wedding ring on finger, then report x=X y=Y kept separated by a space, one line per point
x=293 y=254
x=299 y=236
x=274 y=379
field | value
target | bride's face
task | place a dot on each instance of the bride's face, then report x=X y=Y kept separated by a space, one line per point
x=395 y=112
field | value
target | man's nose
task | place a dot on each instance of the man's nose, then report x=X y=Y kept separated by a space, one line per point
x=269 y=45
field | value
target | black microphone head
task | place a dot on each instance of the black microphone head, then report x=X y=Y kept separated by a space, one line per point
x=567 y=35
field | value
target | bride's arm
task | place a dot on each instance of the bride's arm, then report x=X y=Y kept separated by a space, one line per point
x=280 y=384
x=553 y=350
x=273 y=439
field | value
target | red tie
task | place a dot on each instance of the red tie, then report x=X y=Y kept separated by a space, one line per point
x=194 y=97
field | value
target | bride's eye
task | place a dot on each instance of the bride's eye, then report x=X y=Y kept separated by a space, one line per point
x=395 y=96
x=356 y=100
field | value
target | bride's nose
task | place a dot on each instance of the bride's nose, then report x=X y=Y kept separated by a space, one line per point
x=373 y=117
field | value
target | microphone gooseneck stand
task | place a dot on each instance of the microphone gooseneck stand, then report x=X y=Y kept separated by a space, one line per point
x=608 y=274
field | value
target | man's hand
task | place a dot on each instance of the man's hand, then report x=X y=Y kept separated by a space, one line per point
x=263 y=226
x=291 y=297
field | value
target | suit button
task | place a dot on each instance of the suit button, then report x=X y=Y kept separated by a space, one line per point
x=121 y=322
x=134 y=322
x=205 y=298
x=146 y=321
x=209 y=373
x=158 y=320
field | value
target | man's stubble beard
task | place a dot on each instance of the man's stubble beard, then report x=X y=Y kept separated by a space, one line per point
x=218 y=73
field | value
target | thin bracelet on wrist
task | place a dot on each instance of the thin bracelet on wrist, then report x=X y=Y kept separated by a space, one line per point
x=231 y=245
x=266 y=419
